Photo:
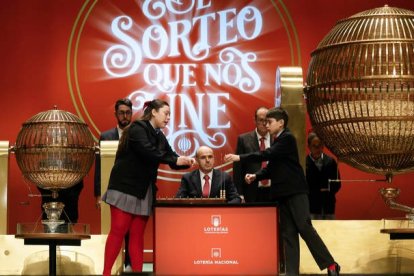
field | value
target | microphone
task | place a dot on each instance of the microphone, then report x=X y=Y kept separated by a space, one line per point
x=223 y=185
x=223 y=194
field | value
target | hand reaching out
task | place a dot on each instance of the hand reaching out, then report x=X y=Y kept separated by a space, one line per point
x=185 y=161
x=249 y=178
x=98 y=202
x=192 y=161
x=231 y=157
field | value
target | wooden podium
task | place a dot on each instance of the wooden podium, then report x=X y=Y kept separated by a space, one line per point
x=195 y=238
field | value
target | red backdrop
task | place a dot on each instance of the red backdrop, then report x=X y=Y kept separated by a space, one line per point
x=58 y=52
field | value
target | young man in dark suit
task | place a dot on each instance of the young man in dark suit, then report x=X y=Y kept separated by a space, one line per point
x=207 y=181
x=290 y=190
x=123 y=115
x=258 y=139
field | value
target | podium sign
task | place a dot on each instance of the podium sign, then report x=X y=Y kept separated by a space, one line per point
x=212 y=240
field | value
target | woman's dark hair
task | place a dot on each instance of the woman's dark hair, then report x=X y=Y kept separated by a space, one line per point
x=278 y=114
x=149 y=106
x=155 y=104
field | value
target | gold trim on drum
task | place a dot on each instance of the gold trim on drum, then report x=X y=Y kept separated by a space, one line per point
x=290 y=96
x=4 y=169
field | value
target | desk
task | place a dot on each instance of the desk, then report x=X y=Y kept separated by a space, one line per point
x=52 y=240
x=217 y=239
x=189 y=201
x=399 y=228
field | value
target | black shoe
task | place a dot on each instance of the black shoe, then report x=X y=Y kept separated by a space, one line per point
x=334 y=272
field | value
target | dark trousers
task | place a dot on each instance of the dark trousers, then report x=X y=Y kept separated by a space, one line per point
x=256 y=194
x=263 y=194
x=294 y=220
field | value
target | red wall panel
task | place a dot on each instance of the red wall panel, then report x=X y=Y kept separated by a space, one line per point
x=52 y=54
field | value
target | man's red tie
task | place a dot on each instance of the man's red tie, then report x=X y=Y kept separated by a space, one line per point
x=264 y=163
x=206 y=187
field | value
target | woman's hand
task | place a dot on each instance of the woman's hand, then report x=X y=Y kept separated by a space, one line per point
x=185 y=161
x=231 y=157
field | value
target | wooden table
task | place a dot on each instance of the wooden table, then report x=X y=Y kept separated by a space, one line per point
x=52 y=240
x=399 y=233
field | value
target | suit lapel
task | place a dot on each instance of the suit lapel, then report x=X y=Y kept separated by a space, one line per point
x=272 y=139
x=153 y=136
x=254 y=141
x=216 y=183
x=195 y=179
x=115 y=134
x=275 y=138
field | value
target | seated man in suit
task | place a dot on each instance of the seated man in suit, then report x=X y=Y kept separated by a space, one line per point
x=207 y=181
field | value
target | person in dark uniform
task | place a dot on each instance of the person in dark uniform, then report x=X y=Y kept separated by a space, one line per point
x=123 y=115
x=322 y=175
x=290 y=190
x=132 y=184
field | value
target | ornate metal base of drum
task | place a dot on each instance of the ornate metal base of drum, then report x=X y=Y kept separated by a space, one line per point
x=397 y=228
x=53 y=211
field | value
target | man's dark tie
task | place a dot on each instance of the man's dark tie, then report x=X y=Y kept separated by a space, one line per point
x=206 y=187
x=264 y=163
